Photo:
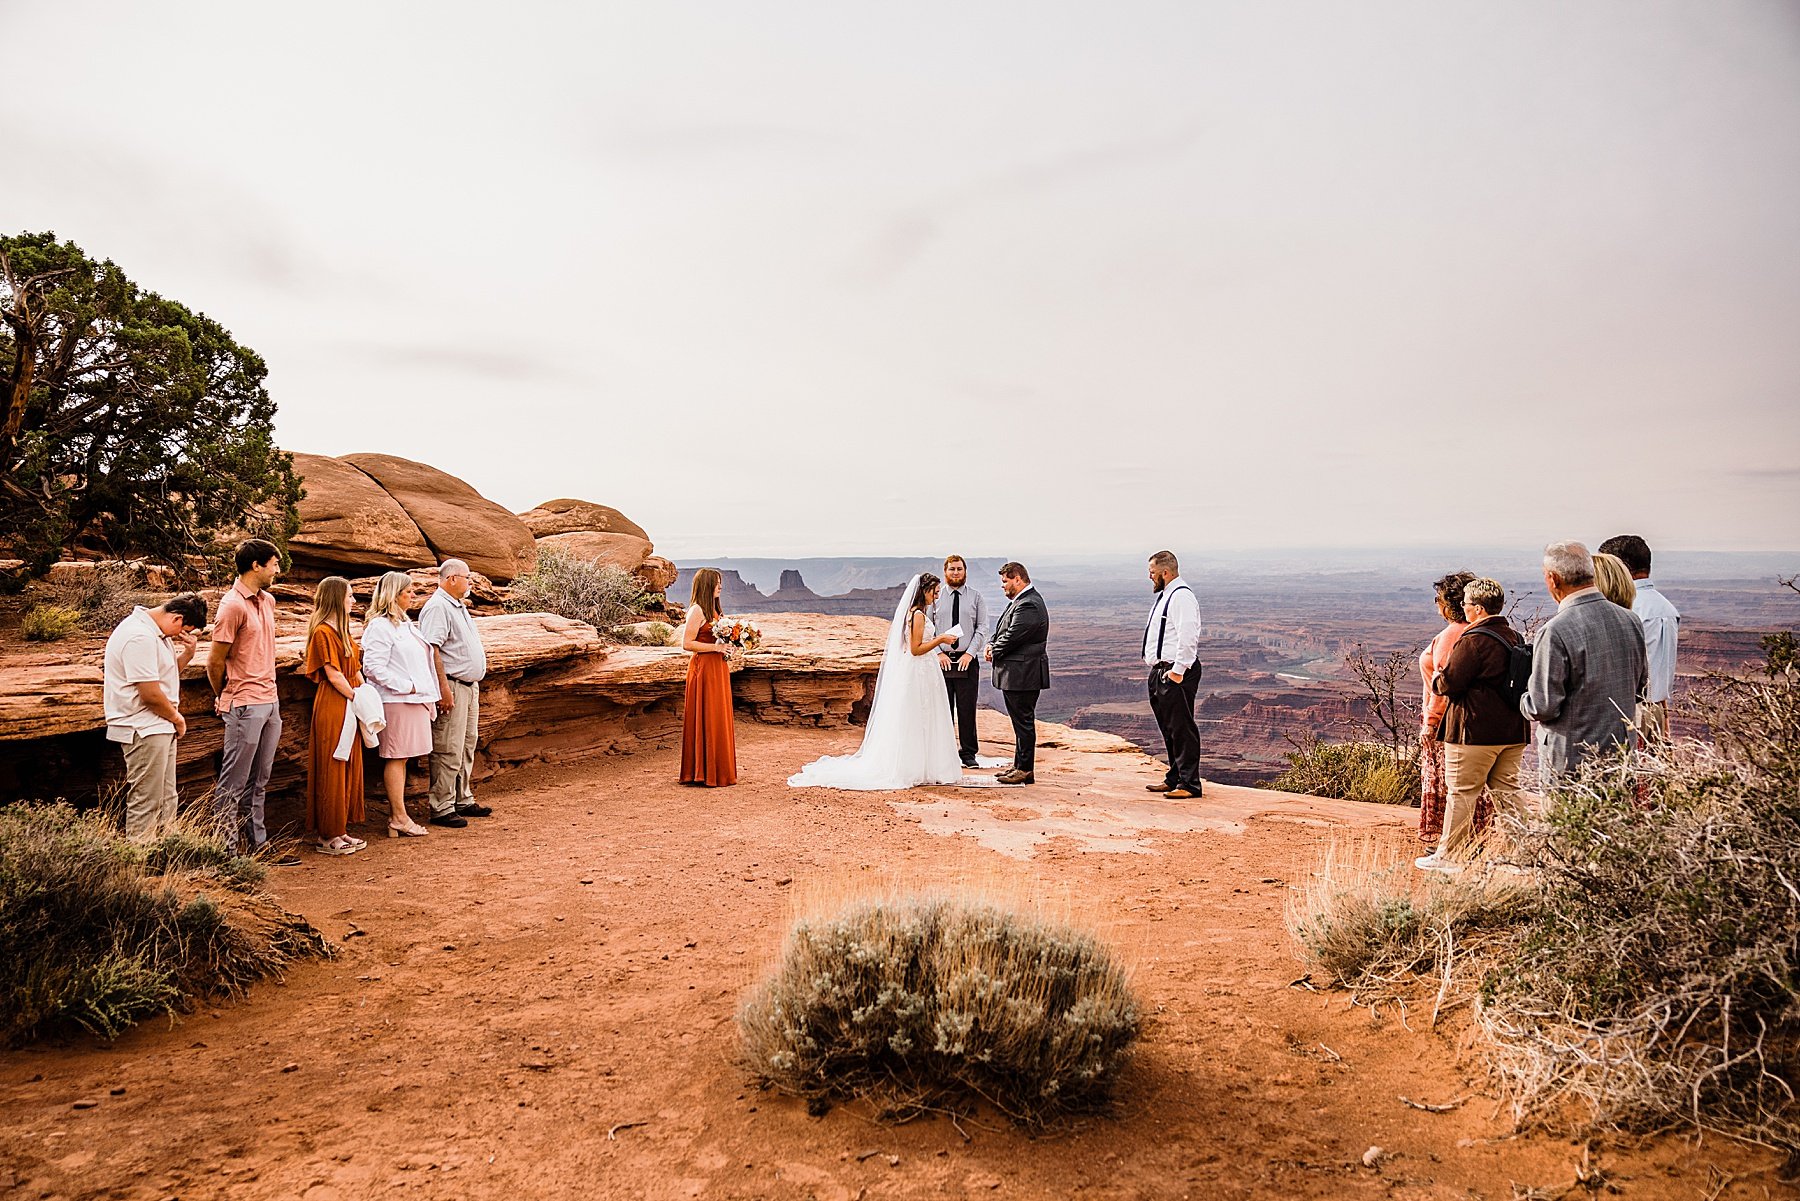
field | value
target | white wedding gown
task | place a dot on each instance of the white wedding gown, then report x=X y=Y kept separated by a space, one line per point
x=911 y=737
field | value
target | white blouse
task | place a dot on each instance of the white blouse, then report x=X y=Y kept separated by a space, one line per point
x=397 y=660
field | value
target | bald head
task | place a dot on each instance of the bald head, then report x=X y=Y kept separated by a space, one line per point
x=453 y=577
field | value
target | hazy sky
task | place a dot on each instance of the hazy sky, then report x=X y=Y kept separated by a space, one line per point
x=1020 y=278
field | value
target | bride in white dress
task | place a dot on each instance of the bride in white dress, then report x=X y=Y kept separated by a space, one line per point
x=910 y=738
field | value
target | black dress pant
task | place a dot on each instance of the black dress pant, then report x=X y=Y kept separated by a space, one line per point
x=1022 y=708
x=962 y=688
x=1173 y=705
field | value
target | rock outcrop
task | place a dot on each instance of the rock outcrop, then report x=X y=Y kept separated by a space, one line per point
x=455 y=519
x=350 y=523
x=567 y=516
x=554 y=693
x=624 y=551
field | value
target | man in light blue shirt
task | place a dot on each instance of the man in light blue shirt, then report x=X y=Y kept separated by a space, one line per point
x=961 y=606
x=1662 y=630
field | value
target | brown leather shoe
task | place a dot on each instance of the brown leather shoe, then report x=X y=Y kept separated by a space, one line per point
x=1158 y=787
x=1178 y=794
x=1016 y=777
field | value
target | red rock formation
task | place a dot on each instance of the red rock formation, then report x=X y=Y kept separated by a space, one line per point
x=624 y=551
x=568 y=516
x=349 y=523
x=554 y=693
x=456 y=520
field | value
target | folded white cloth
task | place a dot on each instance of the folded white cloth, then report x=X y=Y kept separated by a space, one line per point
x=363 y=710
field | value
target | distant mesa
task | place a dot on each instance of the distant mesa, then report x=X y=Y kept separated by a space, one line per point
x=792 y=595
x=364 y=513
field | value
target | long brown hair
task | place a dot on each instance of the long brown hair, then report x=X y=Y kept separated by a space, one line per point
x=927 y=582
x=705 y=592
x=331 y=607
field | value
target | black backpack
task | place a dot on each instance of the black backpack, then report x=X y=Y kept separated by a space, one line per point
x=1518 y=664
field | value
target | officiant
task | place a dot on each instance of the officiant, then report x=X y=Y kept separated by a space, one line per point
x=961 y=607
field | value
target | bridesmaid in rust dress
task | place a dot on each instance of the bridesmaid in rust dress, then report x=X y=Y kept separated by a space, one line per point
x=334 y=787
x=708 y=743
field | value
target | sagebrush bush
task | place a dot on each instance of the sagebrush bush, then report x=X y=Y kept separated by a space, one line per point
x=603 y=596
x=49 y=622
x=1352 y=771
x=1659 y=977
x=98 y=933
x=103 y=594
x=920 y=999
x=1648 y=973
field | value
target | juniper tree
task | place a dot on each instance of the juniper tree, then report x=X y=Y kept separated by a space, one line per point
x=128 y=422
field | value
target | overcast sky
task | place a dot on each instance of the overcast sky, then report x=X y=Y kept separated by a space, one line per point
x=1042 y=277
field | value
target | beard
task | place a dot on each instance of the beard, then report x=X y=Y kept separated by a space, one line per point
x=1158 y=585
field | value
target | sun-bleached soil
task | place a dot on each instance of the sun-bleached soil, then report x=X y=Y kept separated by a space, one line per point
x=541 y=1006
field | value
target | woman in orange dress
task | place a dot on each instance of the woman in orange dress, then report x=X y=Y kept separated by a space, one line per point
x=334 y=787
x=708 y=743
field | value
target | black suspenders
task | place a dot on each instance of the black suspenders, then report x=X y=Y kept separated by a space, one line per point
x=1163 y=630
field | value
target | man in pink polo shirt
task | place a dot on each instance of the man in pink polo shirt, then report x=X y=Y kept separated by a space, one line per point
x=241 y=668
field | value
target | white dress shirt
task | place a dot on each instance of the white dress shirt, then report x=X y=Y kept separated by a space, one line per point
x=1181 y=640
x=1662 y=629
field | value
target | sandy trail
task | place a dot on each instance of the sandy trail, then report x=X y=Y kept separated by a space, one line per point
x=541 y=1006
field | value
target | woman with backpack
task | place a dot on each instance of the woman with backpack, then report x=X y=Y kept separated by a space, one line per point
x=1483 y=731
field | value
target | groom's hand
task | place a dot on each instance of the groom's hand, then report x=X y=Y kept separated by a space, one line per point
x=943 y=661
x=1173 y=677
x=988 y=655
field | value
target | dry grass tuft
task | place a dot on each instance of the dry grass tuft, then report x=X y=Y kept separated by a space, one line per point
x=98 y=933
x=928 y=1000
x=1372 y=923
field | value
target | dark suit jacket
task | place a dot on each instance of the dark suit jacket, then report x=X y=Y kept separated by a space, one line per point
x=1021 y=663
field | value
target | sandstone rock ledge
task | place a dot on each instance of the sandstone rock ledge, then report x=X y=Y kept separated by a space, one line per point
x=554 y=693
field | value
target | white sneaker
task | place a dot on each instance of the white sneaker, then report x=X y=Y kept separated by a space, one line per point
x=1435 y=862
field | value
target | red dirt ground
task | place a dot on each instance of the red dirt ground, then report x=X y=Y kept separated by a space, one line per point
x=540 y=1006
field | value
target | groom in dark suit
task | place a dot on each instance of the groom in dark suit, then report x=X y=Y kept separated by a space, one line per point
x=1021 y=665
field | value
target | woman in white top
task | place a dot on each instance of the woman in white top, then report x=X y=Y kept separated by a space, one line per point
x=403 y=667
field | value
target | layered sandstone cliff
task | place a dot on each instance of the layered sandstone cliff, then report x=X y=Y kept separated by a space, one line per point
x=555 y=692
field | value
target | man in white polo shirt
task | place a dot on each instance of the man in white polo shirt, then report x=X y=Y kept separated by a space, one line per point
x=145 y=656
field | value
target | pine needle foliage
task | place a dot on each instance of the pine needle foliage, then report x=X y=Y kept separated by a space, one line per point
x=923 y=1001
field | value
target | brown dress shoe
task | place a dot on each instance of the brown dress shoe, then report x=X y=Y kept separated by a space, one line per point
x=1179 y=794
x=1017 y=777
x=1158 y=787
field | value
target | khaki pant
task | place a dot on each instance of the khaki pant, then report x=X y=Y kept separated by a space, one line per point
x=1469 y=769
x=149 y=786
x=453 y=738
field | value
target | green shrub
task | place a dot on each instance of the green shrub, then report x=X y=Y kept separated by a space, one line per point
x=49 y=623
x=605 y=597
x=98 y=933
x=928 y=998
x=1352 y=771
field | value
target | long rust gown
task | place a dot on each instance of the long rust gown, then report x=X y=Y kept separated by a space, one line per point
x=334 y=788
x=708 y=742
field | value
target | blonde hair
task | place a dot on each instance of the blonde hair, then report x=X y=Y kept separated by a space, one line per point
x=386 y=601
x=331 y=607
x=1613 y=579
x=705 y=592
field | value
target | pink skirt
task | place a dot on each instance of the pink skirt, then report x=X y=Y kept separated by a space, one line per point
x=408 y=732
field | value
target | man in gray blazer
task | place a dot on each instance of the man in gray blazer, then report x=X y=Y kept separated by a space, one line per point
x=1588 y=667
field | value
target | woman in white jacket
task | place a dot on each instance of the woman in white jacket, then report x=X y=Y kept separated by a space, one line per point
x=403 y=668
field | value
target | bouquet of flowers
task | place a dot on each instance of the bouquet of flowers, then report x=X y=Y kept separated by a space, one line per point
x=738 y=631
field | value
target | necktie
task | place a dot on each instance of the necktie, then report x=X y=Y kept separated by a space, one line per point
x=956 y=610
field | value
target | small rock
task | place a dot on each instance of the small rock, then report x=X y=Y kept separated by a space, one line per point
x=1373 y=1156
x=290 y=1067
x=784 y=882
x=119 y=1091
x=449 y=946
x=85 y=1103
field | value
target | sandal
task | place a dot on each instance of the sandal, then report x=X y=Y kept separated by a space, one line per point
x=410 y=830
x=338 y=848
